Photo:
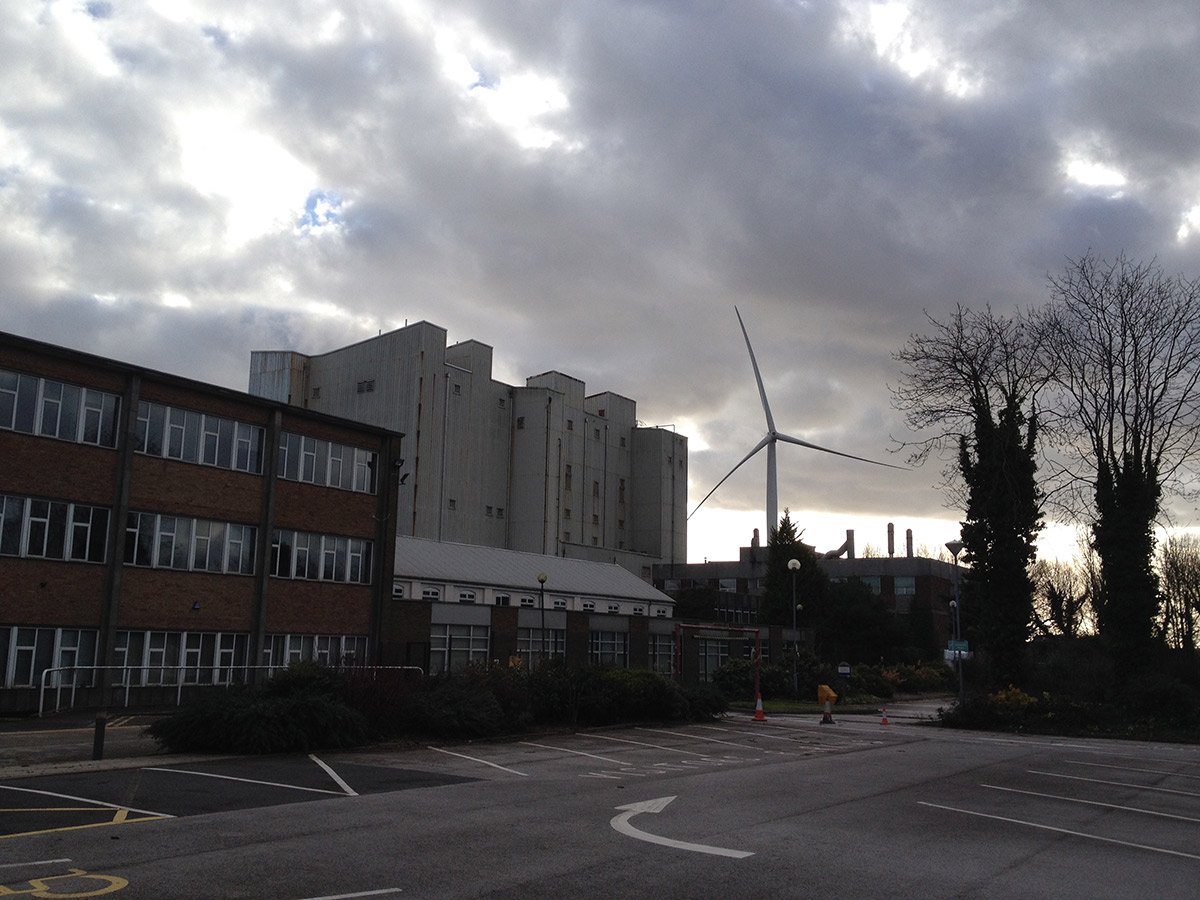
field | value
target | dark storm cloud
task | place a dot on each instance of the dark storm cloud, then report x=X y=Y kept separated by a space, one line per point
x=760 y=154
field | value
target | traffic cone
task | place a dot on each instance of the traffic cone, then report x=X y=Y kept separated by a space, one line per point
x=759 y=716
x=827 y=718
x=884 y=720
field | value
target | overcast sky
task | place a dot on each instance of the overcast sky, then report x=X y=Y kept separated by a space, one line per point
x=592 y=187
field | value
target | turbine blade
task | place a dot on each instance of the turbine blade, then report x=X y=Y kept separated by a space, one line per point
x=766 y=440
x=798 y=442
x=762 y=393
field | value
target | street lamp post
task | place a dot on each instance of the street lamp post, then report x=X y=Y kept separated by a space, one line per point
x=542 y=604
x=955 y=548
x=793 y=567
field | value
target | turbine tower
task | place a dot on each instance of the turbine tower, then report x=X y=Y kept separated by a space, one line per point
x=769 y=440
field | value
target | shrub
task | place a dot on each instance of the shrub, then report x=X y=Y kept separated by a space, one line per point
x=920 y=678
x=869 y=681
x=245 y=722
x=704 y=701
x=610 y=696
x=458 y=708
x=735 y=679
x=304 y=678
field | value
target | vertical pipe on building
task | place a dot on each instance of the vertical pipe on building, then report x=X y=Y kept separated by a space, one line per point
x=442 y=465
x=610 y=540
x=383 y=562
x=559 y=550
x=266 y=529
x=109 y=615
x=546 y=477
x=512 y=459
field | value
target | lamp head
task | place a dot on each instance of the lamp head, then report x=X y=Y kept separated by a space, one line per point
x=541 y=578
x=955 y=548
x=793 y=564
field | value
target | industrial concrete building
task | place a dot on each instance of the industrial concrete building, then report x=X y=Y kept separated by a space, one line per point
x=540 y=468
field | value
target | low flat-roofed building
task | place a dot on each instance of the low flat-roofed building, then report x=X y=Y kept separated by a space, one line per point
x=457 y=604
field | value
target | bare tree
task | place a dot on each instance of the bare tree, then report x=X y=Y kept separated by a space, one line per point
x=1062 y=602
x=971 y=385
x=1126 y=344
x=1179 y=580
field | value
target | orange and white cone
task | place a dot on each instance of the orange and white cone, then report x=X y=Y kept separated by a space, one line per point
x=759 y=716
x=884 y=720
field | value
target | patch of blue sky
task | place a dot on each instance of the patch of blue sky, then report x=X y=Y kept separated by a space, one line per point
x=322 y=210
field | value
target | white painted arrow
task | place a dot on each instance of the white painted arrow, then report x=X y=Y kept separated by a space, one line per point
x=621 y=824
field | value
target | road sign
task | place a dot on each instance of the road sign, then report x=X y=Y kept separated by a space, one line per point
x=844 y=668
x=960 y=646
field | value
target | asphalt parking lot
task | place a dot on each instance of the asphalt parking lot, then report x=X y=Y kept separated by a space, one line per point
x=782 y=808
x=48 y=783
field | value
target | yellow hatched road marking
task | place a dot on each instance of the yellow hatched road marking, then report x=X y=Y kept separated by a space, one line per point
x=125 y=821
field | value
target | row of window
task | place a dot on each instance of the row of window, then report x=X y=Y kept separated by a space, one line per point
x=216 y=657
x=596 y=434
x=434 y=594
x=179 y=542
x=160 y=657
x=41 y=406
x=453 y=648
x=52 y=529
x=320 y=557
x=327 y=463
x=176 y=433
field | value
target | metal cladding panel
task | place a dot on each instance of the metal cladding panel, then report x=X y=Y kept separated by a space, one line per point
x=468 y=564
x=452 y=614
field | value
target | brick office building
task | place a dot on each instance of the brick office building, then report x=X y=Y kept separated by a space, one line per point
x=181 y=530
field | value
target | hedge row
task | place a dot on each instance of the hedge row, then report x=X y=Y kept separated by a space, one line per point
x=307 y=707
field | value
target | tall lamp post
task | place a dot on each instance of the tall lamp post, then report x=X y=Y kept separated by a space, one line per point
x=542 y=604
x=955 y=548
x=793 y=567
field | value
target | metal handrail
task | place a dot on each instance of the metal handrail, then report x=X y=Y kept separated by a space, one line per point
x=178 y=682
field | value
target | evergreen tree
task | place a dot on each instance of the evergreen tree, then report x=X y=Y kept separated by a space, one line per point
x=999 y=530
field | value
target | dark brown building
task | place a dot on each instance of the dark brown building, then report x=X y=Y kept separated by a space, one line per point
x=177 y=531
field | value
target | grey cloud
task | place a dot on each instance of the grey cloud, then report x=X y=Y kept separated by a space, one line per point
x=722 y=154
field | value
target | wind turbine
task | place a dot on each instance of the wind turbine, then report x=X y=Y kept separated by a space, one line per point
x=769 y=440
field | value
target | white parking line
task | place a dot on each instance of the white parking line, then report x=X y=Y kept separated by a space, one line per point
x=144 y=812
x=1133 y=809
x=576 y=752
x=359 y=894
x=605 y=737
x=1124 y=784
x=335 y=776
x=1082 y=834
x=294 y=787
x=697 y=737
x=784 y=737
x=34 y=862
x=1078 y=762
x=484 y=761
